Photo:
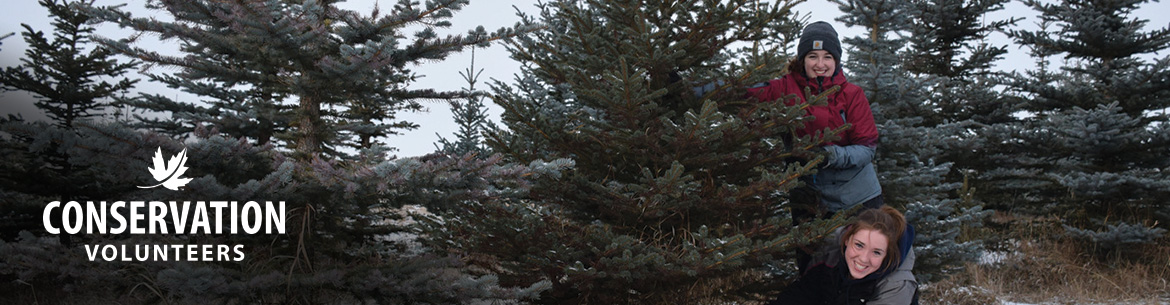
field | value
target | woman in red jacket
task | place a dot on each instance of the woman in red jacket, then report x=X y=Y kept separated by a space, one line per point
x=848 y=177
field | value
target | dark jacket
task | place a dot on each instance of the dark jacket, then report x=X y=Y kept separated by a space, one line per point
x=829 y=282
x=848 y=177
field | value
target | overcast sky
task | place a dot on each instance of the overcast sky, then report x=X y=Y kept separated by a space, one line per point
x=492 y=14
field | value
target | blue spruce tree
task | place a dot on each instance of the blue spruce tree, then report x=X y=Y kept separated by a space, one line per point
x=912 y=164
x=73 y=83
x=349 y=237
x=953 y=49
x=306 y=73
x=1090 y=148
x=471 y=116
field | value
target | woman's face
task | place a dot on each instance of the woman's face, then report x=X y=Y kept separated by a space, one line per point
x=819 y=63
x=865 y=251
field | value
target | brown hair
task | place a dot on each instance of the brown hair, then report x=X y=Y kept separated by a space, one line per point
x=886 y=220
x=796 y=65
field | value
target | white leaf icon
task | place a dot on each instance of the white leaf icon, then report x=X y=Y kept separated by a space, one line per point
x=170 y=174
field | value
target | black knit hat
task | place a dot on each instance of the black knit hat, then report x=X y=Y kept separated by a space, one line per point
x=819 y=36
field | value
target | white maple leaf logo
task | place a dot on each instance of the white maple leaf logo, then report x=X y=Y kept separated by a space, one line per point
x=170 y=174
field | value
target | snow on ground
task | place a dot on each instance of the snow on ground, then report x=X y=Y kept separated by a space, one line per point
x=992 y=257
x=1006 y=302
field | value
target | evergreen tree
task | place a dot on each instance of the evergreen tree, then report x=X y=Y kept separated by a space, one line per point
x=1093 y=144
x=306 y=72
x=347 y=238
x=952 y=45
x=64 y=77
x=471 y=117
x=1003 y=185
x=911 y=163
x=951 y=37
x=672 y=198
x=71 y=85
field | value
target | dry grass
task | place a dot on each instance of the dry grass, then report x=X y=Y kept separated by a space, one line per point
x=1039 y=267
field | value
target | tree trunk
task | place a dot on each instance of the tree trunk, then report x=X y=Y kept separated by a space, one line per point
x=309 y=123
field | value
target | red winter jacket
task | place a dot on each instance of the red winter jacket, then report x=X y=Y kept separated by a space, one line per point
x=849 y=176
x=846 y=105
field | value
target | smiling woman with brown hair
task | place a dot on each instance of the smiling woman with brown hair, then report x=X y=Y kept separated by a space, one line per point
x=869 y=263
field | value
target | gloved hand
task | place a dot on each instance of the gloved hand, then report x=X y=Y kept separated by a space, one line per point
x=805 y=204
